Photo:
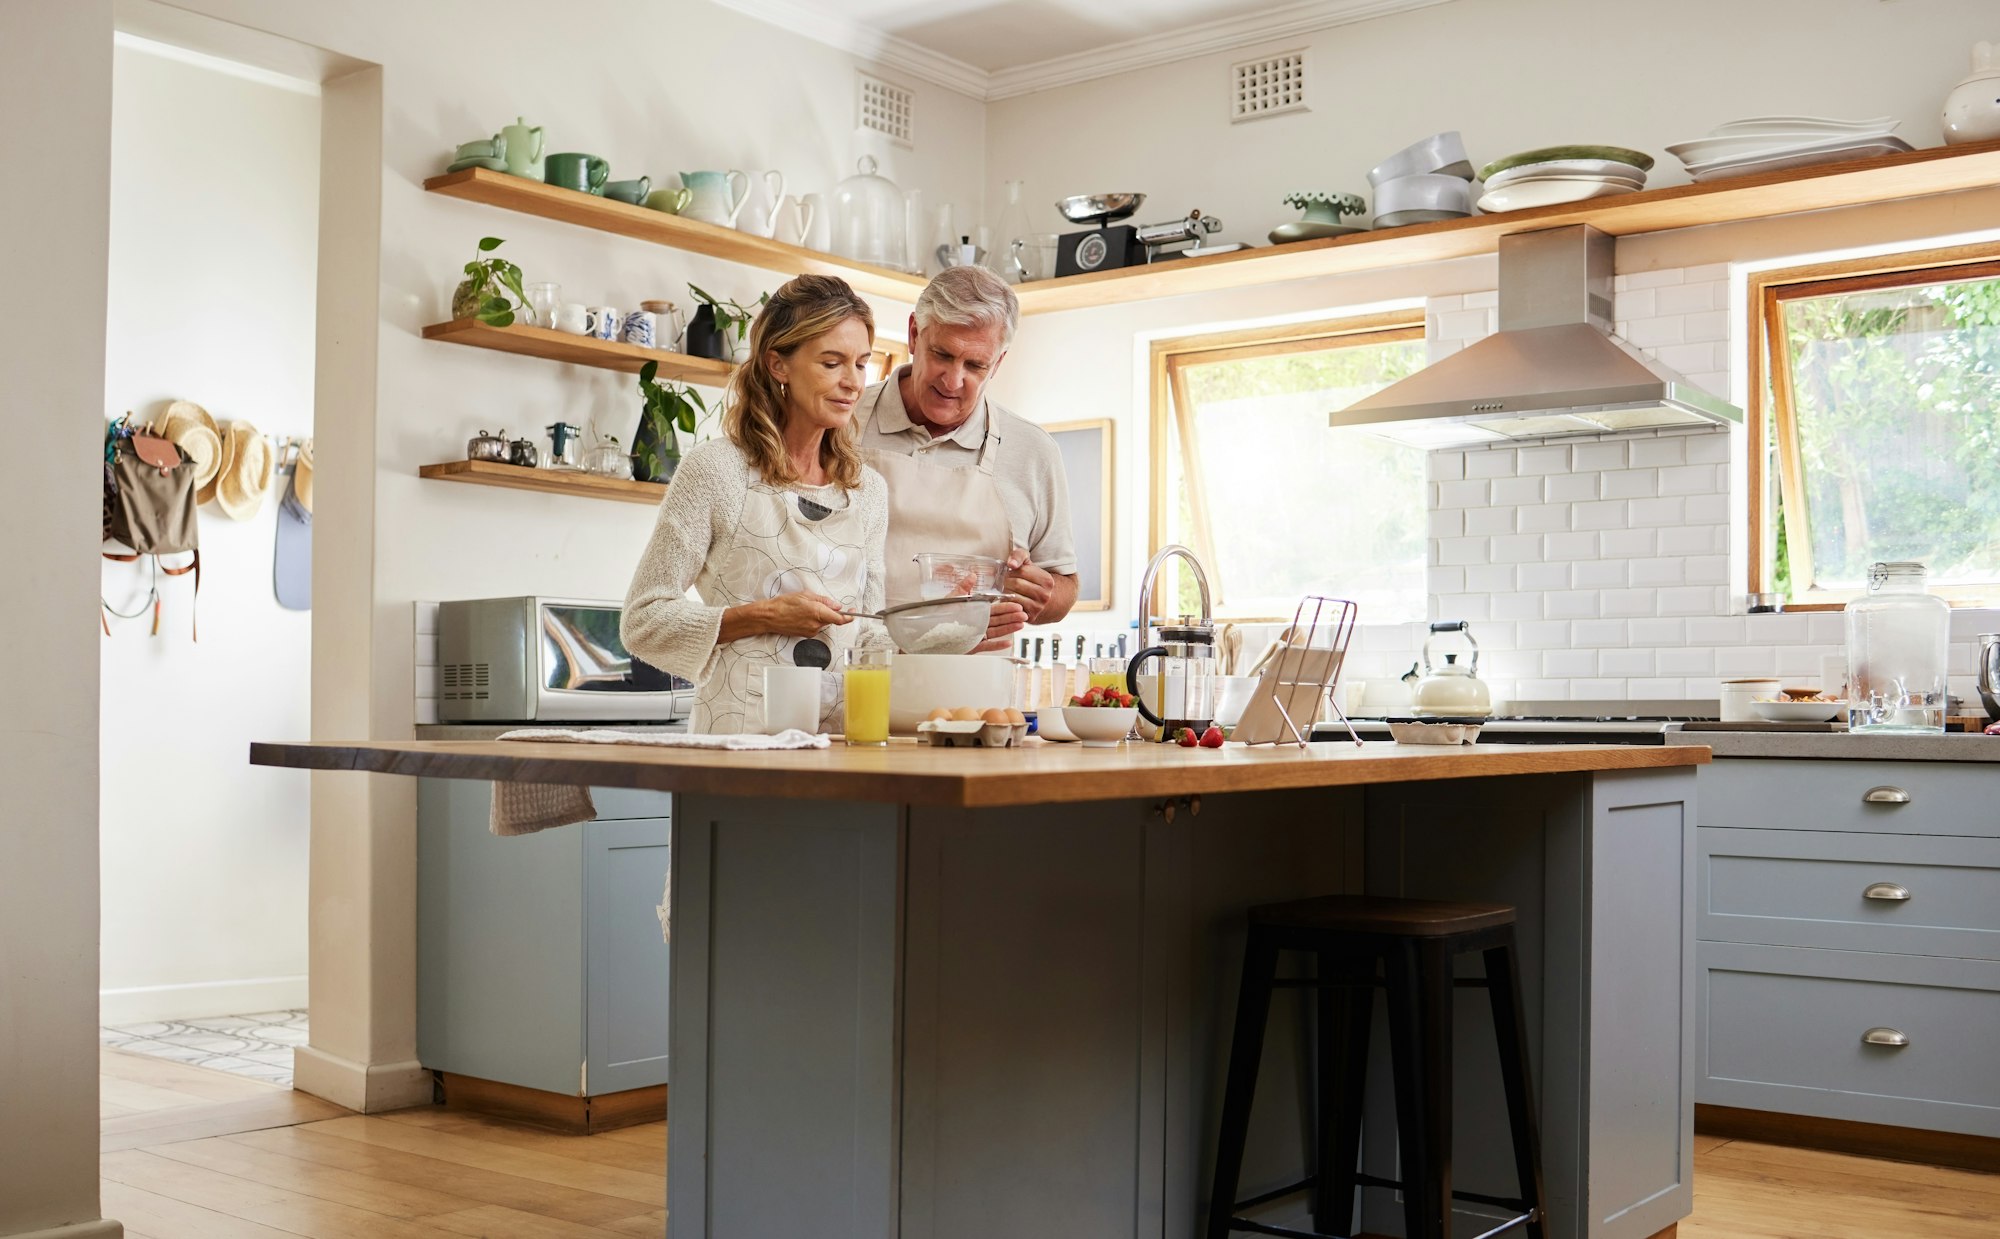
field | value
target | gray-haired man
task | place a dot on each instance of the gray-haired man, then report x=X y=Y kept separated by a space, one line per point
x=966 y=476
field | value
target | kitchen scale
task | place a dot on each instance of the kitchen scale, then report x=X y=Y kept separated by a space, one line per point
x=1111 y=245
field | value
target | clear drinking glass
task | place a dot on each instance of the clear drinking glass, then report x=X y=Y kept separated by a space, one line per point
x=865 y=683
x=1897 y=640
x=543 y=298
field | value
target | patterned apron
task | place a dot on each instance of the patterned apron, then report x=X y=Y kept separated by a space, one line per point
x=785 y=543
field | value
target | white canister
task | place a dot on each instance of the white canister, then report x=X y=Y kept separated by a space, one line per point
x=791 y=699
x=1972 y=109
x=1738 y=694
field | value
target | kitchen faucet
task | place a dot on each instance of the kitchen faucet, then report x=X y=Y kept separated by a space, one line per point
x=1153 y=569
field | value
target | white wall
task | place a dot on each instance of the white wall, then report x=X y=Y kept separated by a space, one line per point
x=52 y=370
x=214 y=256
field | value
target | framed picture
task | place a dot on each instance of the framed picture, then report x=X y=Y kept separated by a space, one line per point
x=1087 y=460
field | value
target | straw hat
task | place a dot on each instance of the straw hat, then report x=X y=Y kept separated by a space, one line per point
x=302 y=477
x=246 y=471
x=189 y=427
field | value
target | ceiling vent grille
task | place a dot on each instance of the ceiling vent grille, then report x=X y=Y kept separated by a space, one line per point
x=1268 y=86
x=885 y=108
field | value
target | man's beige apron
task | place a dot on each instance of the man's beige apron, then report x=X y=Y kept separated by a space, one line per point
x=785 y=543
x=937 y=509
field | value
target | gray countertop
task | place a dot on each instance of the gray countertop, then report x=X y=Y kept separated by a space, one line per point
x=1843 y=746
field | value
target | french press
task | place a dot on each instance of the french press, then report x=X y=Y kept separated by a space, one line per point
x=1181 y=690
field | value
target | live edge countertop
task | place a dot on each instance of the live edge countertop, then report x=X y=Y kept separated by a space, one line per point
x=907 y=773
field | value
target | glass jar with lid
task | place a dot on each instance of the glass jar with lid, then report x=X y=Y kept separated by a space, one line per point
x=1897 y=638
x=868 y=221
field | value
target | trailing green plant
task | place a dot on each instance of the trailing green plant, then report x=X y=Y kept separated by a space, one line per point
x=668 y=407
x=478 y=295
x=730 y=316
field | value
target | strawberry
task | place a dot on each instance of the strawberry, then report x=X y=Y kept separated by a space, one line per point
x=1185 y=737
x=1212 y=738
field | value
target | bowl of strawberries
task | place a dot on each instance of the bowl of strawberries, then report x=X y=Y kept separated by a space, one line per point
x=1102 y=717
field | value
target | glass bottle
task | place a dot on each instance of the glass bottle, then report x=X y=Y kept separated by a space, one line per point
x=1897 y=639
x=1010 y=239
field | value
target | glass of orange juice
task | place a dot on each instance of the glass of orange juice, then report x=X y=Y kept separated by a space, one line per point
x=1107 y=673
x=865 y=681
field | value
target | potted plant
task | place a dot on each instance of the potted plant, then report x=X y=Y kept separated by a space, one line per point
x=478 y=295
x=715 y=321
x=656 y=452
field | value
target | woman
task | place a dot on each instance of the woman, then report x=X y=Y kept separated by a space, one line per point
x=777 y=526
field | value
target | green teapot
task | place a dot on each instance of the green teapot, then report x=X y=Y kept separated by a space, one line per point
x=523 y=149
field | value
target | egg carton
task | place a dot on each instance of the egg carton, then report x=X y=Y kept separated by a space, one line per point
x=971 y=734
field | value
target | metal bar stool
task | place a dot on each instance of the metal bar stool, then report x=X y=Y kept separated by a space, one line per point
x=1406 y=947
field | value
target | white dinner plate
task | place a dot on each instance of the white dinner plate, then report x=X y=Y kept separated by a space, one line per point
x=1799 y=711
x=1522 y=196
x=1831 y=152
x=1567 y=167
x=1801 y=124
x=1739 y=146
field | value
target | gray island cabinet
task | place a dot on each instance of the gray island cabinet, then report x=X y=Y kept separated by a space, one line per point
x=980 y=994
x=541 y=966
x=1849 y=931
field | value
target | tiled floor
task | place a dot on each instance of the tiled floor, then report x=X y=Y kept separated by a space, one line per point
x=259 y=1046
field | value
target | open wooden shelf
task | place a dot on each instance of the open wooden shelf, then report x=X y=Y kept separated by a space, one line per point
x=580 y=350
x=549 y=481
x=1912 y=174
x=609 y=215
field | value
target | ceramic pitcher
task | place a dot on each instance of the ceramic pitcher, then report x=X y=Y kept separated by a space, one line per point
x=716 y=199
x=762 y=203
x=523 y=148
x=1972 y=109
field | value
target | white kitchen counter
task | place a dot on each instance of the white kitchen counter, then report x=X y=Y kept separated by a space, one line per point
x=1842 y=746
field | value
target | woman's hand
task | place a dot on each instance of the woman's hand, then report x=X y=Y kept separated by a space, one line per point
x=787 y=615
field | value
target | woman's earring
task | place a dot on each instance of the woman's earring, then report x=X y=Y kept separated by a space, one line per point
x=783 y=391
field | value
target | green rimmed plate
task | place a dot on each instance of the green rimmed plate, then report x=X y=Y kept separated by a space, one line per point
x=1618 y=154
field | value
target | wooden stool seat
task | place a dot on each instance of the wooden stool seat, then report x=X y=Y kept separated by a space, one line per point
x=1404 y=948
x=1373 y=914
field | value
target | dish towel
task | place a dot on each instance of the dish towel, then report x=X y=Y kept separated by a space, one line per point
x=524 y=808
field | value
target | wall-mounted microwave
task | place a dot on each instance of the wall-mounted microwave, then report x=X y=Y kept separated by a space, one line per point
x=540 y=660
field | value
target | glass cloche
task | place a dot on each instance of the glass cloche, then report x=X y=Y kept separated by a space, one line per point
x=868 y=215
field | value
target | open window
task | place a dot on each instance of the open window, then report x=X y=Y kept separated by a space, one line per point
x=1275 y=503
x=1876 y=414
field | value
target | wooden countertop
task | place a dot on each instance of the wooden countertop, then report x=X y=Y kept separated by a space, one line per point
x=908 y=773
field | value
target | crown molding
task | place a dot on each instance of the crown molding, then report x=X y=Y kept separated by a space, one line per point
x=1222 y=35
x=886 y=50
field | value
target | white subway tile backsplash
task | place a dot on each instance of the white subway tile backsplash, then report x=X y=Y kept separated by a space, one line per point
x=1596 y=457
x=1516 y=548
x=1569 y=545
x=1708 y=448
x=1450 y=303
x=1689 y=600
x=1708 y=273
x=1598 y=690
x=1461 y=606
x=1693 y=539
x=1625 y=543
x=1746 y=660
x=1686 y=358
x=1465 y=494
x=1601 y=514
x=1447 y=522
x=1518 y=491
x=1568 y=488
x=1658 y=632
x=1631 y=483
x=1489 y=578
x=1541 y=577
x=1598 y=574
x=1830 y=627
x=427 y=617
x=1571 y=604
x=1489 y=520
x=1446 y=580
x=1656 y=572
x=1798 y=662
x=426 y=650
x=1708 y=570
x=1711 y=326
x=1542 y=518
x=1670 y=510
x=1653 y=333
x=1569 y=664
x=1444 y=466
x=1631 y=303
x=1684 y=299
x=1541 y=690
x=1688 y=480
x=427 y=682
x=1793 y=629
x=1463 y=324
x=1628 y=662
x=1543 y=635
x=1515 y=605
x=1492 y=463
x=1630 y=603
x=1482 y=301
x=1655 y=453
x=426 y=713
x=1685 y=660
x=1544 y=458
x=1461 y=551
x=1601 y=633
x=1707 y=510
x=1652 y=279
x=1658 y=689
x=1716 y=630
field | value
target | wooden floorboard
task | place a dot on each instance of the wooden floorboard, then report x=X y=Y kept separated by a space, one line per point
x=191 y=1154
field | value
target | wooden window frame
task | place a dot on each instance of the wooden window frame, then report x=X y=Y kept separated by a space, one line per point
x=1171 y=413
x=1771 y=408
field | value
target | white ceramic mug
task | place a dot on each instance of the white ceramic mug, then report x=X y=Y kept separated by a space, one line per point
x=1738 y=694
x=641 y=328
x=602 y=322
x=791 y=699
x=571 y=316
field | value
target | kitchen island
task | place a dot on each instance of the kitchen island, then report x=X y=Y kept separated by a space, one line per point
x=978 y=994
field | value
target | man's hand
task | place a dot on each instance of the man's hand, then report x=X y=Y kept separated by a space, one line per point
x=1002 y=622
x=1032 y=586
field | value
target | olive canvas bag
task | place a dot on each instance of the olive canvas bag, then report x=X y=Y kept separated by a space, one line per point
x=153 y=509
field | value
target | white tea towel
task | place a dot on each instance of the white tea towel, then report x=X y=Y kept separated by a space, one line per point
x=524 y=808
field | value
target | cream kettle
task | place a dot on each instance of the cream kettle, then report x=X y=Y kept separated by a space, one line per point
x=1450 y=689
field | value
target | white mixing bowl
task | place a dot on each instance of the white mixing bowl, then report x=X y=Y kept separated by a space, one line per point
x=920 y=683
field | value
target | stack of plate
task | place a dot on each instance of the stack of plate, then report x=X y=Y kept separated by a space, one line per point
x=1774 y=143
x=1553 y=174
x=1424 y=182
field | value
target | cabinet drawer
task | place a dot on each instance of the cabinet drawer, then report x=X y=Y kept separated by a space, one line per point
x=1944 y=798
x=1812 y=888
x=1782 y=1030
x=616 y=804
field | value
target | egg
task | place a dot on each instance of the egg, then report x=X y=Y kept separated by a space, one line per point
x=1015 y=717
x=938 y=715
x=995 y=715
x=965 y=714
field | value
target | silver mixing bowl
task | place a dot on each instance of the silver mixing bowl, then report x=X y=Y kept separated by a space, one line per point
x=1099 y=208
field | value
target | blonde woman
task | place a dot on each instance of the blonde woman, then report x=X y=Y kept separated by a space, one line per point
x=775 y=527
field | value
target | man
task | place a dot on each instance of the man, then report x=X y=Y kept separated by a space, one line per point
x=966 y=476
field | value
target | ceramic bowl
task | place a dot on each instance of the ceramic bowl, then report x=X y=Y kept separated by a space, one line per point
x=1049 y=725
x=920 y=683
x=1402 y=218
x=1440 y=153
x=1423 y=193
x=1435 y=733
x=1799 y=711
x=1099 y=727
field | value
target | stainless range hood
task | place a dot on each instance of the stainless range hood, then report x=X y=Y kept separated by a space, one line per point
x=1553 y=369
